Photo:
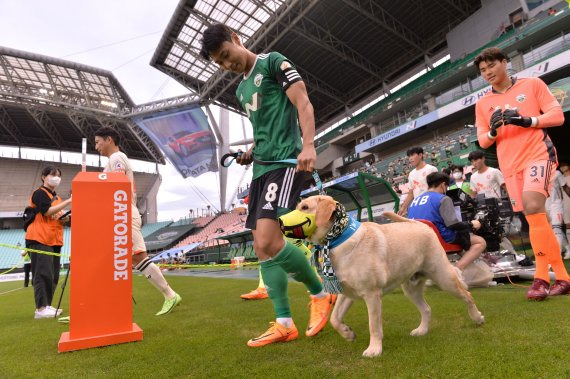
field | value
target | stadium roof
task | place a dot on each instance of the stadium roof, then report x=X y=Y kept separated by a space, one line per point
x=52 y=103
x=346 y=50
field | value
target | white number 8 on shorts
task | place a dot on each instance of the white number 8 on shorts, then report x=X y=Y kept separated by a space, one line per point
x=271 y=193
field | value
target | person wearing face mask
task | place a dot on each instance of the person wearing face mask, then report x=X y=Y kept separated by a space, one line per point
x=438 y=208
x=45 y=233
x=460 y=182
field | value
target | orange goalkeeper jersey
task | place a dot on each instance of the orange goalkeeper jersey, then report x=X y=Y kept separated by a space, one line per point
x=517 y=147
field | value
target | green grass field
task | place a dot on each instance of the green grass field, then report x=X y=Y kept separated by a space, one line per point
x=206 y=335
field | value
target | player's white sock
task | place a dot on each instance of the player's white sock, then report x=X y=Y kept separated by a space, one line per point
x=154 y=275
x=285 y=321
x=320 y=295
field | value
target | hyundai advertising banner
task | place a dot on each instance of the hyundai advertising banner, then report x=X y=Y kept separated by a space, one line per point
x=185 y=137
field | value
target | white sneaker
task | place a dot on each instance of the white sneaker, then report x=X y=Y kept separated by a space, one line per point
x=44 y=313
x=57 y=311
x=567 y=254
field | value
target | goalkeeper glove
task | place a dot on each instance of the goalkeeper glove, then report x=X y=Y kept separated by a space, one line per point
x=512 y=116
x=496 y=122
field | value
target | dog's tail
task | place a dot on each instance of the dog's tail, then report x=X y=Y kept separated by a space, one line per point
x=395 y=217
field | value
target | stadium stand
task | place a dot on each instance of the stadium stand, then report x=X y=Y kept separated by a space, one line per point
x=450 y=69
x=11 y=257
x=24 y=177
x=148 y=229
x=212 y=227
x=538 y=40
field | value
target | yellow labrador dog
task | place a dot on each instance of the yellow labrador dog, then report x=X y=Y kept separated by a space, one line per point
x=378 y=258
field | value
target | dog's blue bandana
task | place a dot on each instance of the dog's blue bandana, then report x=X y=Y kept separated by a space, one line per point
x=350 y=229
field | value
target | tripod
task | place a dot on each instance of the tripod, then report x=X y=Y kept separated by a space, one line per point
x=63 y=285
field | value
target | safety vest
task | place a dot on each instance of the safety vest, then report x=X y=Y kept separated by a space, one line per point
x=46 y=230
x=426 y=207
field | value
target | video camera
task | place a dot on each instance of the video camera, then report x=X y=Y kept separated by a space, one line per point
x=494 y=214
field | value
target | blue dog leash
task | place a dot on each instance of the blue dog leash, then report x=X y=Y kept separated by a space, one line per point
x=293 y=162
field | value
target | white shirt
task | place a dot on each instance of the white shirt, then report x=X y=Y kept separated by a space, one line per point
x=417 y=179
x=118 y=162
x=488 y=182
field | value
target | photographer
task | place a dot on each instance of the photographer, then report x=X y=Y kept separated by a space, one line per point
x=438 y=208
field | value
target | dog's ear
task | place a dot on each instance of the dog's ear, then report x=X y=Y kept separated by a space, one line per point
x=325 y=209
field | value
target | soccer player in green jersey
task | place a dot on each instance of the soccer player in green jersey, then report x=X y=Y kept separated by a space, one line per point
x=275 y=99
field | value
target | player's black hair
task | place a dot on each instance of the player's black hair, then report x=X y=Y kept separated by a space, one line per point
x=107 y=131
x=414 y=150
x=436 y=178
x=489 y=55
x=475 y=154
x=212 y=39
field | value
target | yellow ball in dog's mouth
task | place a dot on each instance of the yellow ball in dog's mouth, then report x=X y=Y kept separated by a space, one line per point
x=297 y=224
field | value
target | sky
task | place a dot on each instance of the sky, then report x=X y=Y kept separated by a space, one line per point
x=120 y=36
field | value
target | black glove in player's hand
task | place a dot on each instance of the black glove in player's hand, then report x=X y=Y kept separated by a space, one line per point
x=496 y=121
x=512 y=116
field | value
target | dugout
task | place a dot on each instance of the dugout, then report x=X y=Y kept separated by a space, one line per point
x=241 y=245
x=362 y=194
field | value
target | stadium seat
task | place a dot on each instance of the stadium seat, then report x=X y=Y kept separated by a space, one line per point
x=450 y=248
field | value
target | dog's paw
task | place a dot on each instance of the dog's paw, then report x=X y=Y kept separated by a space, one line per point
x=347 y=333
x=372 y=351
x=480 y=320
x=419 y=331
x=476 y=316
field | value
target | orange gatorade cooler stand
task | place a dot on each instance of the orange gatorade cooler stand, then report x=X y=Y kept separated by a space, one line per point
x=101 y=309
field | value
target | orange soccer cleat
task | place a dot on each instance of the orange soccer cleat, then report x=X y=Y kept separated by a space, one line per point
x=256 y=294
x=275 y=333
x=320 y=311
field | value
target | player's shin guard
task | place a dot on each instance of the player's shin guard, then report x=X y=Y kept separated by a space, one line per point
x=308 y=253
x=545 y=247
x=294 y=262
x=154 y=275
x=299 y=243
x=276 y=285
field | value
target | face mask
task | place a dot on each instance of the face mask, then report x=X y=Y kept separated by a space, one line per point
x=457 y=175
x=54 y=181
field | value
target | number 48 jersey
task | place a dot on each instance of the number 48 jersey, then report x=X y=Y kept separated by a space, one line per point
x=262 y=96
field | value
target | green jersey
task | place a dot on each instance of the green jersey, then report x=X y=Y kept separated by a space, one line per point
x=262 y=96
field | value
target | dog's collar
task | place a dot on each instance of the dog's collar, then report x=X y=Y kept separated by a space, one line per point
x=350 y=229
x=342 y=228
